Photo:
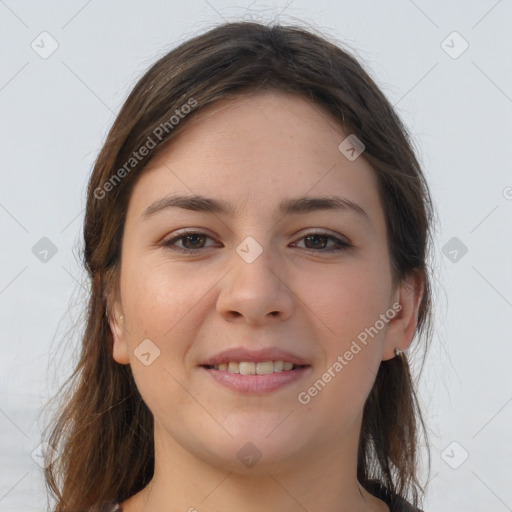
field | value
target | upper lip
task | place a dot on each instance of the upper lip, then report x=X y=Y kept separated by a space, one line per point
x=241 y=354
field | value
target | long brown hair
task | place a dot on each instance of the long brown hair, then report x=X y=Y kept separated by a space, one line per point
x=103 y=431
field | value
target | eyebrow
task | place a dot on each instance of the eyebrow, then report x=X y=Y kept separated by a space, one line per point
x=292 y=206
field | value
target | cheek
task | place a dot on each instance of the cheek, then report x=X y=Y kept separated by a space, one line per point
x=161 y=297
x=347 y=300
x=349 y=304
x=161 y=304
x=153 y=308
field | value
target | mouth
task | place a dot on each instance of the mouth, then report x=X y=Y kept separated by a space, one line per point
x=249 y=377
x=252 y=368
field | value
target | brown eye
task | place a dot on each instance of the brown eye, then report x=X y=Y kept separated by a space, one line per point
x=191 y=241
x=317 y=242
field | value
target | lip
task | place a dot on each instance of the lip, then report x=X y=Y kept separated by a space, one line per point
x=240 y=354
x=257 y=384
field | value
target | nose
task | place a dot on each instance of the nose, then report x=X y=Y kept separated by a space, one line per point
x=256 y=293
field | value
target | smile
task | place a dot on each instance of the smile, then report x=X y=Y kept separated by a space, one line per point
x=262 y=377
x=252 y=368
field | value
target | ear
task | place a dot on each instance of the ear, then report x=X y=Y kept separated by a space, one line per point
x=401 y=328
x=117 y=324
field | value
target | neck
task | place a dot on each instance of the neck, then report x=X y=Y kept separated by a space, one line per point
x=319 y=478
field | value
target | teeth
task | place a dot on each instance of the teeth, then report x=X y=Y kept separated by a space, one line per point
x=251 y=368
x=278 y=366
x=233 y=368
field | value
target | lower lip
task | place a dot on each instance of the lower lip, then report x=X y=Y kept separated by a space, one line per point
x=257 y=383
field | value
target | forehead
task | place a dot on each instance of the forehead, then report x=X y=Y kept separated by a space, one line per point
x=254 y=152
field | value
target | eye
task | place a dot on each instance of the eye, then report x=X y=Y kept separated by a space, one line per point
x=314 y=238
x=192 y=241
x=315 y=241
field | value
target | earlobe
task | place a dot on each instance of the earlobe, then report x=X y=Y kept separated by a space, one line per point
x=401 y=328
x=120 y=344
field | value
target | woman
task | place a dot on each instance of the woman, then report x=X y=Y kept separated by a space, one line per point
x=256 y=234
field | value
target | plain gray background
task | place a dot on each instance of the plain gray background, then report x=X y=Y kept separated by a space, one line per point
x=456 y=101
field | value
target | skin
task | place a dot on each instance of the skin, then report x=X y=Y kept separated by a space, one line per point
x=254 y=152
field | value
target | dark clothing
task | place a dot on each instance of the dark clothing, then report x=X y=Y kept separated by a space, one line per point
x=394 y=502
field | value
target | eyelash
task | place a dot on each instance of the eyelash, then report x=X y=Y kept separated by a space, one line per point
x=341 y=245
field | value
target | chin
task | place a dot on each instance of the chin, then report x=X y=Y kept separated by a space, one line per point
x=254 y=450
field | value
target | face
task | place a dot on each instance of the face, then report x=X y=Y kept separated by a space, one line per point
x=312 y=282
